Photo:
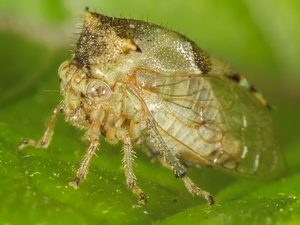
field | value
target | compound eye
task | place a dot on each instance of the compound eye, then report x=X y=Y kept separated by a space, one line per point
x=98 y=90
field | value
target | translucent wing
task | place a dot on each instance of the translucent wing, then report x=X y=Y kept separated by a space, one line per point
x=211 y=119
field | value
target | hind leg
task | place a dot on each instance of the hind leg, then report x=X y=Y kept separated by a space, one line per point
x=178 y=168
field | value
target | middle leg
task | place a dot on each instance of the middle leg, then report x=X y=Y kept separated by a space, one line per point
x=128 y=159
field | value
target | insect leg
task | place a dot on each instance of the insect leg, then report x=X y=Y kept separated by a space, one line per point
x=93 y=136
x=129 y=174
x=178 y=168
x=194 y=189
x=46 y=139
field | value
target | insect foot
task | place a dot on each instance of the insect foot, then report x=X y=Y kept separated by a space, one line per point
x=74 y=183
x=46 y=139
x=143 y=199
x=193 y=189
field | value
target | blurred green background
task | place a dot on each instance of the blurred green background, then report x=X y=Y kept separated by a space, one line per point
x=260 y=39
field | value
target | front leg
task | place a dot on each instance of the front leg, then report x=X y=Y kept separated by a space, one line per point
x=92 y=135
x=46 y=139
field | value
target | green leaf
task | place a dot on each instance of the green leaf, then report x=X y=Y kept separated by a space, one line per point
x=259 y=38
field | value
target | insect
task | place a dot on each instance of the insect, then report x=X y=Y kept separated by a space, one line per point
x=142 y=84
